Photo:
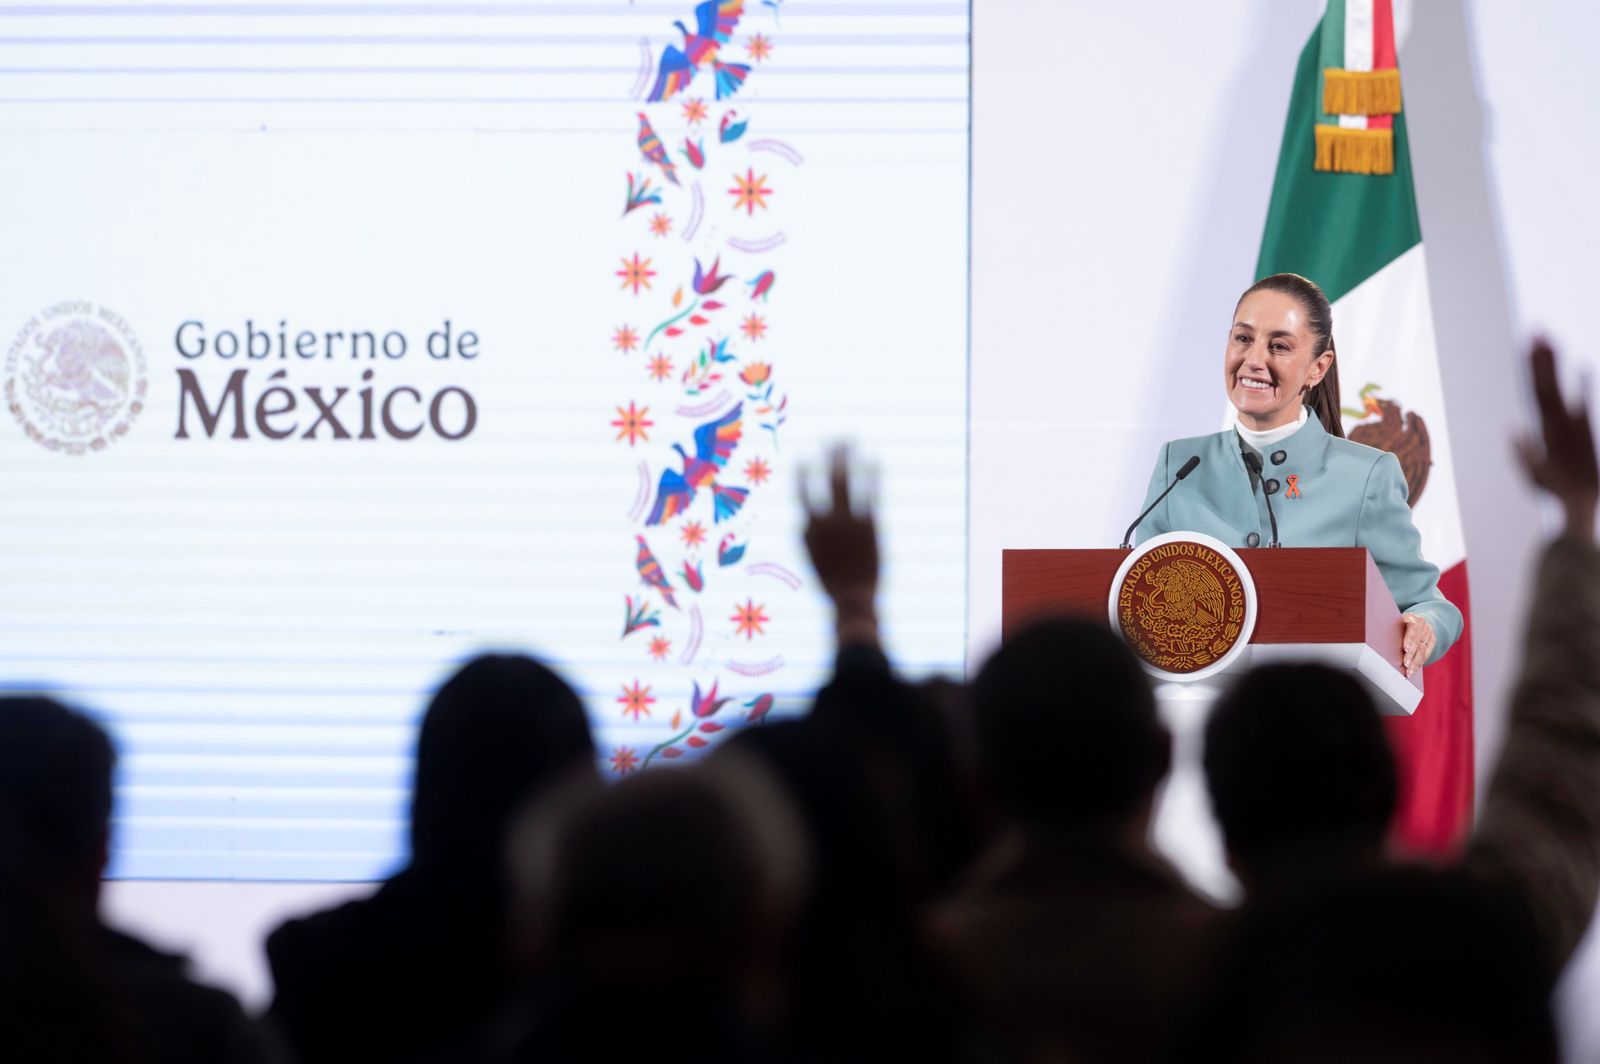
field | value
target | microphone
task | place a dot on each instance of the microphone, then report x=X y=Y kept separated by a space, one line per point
x=1188 y=467
x=1253 y=460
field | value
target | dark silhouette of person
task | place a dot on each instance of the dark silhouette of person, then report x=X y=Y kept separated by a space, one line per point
x=1300 y=773
x=866 y=983
x=1072 y=937
x=910 y=733
x=873 y=776
x=1399 y=963
x=72 y=989
x=423 y=959
x=654 y=917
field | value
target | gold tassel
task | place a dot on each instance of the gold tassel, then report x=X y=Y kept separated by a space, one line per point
x=1360 y=92
x=1355 y=151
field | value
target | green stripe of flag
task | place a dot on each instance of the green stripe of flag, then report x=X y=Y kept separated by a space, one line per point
x=1337 y=229
x=1331 y=54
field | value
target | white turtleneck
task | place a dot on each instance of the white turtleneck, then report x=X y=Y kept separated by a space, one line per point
x=1260 y=441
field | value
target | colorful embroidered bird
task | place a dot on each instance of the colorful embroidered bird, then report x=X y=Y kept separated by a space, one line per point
x=730 y=130
x=758 y=708
x=707 y=704
x=714 y=24
x=695 y=152
x=653 y=150
x=728 y=553
x=714 y=443
x=639 y=193
x=706 y=282
x=762 y=285
x=652 y=573
x=693 y=577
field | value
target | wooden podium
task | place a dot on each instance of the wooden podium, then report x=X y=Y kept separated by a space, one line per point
x=1323 y=604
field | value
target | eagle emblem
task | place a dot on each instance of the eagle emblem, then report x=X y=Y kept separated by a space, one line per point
x=1402 y=433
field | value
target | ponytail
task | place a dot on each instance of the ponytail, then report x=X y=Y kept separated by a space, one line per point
x=1323 y=399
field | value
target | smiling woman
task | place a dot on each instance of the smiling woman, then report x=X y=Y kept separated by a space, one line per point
x=1280 y=369
x=1280 y=355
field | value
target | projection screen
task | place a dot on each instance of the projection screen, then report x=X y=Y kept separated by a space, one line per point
x=342 y=342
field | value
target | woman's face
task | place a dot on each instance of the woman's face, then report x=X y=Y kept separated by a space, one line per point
x=1271 y=362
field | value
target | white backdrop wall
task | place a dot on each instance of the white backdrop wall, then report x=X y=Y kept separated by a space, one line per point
x=1122 y=163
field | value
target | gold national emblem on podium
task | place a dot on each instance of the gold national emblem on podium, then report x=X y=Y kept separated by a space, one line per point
x=1185 y=604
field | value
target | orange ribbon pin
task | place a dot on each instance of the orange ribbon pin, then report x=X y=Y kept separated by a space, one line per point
x=1294 y=487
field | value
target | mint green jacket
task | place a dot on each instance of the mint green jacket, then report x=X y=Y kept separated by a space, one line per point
x=1326 y=492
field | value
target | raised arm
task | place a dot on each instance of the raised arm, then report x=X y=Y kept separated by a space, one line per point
x=843 y=545
x=1540 y=828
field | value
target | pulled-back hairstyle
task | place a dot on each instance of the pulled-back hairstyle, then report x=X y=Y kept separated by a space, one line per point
x=1323 y=399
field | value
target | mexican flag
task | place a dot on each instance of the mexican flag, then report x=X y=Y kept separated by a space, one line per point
x=1344 y=214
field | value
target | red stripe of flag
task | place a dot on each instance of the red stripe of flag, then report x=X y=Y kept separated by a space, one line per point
x=1383 y=52
x=1433 y=746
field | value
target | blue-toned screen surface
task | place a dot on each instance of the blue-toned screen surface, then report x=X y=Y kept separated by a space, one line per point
x=344 y=341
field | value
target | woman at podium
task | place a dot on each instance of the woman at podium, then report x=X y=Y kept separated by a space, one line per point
x=1288 y=449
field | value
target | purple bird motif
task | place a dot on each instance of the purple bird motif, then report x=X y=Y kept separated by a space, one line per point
x=714 y=23
x=653 y=150
x=651 y=572
x=729 y=553
x=714 y=443
x=762 y=285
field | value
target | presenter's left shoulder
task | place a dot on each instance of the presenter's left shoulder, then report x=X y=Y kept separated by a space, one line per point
x=1353 y=456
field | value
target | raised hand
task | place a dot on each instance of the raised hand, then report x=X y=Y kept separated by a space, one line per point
x=1562 y=459
x=843 y=545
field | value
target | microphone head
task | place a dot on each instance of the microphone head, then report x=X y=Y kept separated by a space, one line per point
x=1253 y=462
x=1189 y=467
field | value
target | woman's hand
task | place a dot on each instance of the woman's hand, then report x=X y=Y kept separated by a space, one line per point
x=1418 y=643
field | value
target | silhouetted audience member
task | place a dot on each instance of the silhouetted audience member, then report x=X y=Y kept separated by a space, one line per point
x=866 y=984
x=1072 y=936
x=655 y=916
x=1301 y=776
x=1401 y=964
x=909 y=732
x=72 y=989
x=423 y=959
x=873 y=776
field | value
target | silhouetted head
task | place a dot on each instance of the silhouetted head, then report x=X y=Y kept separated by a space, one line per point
x=861 y=854
x=678 y=881
x=1401 y=964
x=1299 y=770
x=900 y=739
x=499 y=730
x=55 y=792
x=1067 y=729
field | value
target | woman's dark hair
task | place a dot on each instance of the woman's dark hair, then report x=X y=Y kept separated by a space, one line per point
x=1323 y=399
x=500 y=729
